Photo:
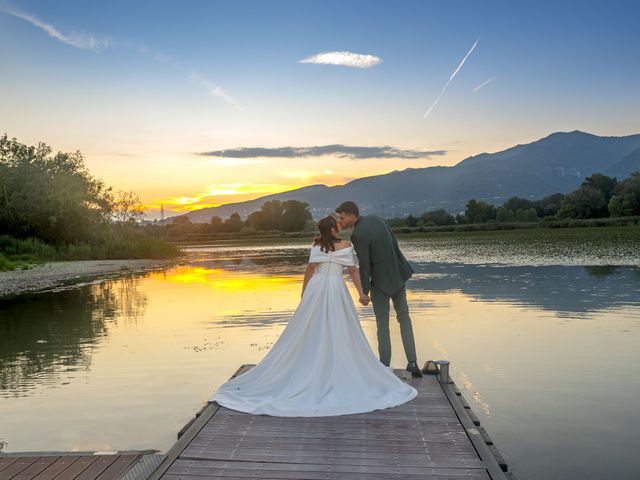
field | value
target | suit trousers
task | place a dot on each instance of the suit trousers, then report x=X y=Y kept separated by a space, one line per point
x=380 y=301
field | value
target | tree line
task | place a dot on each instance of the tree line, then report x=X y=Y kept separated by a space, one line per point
x=599 y=196
x=51 y=199
x=273 y=216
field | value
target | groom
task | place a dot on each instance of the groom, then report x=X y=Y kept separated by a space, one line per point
x=383 y=272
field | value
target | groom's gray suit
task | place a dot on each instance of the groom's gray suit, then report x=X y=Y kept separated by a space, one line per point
x=384 y=271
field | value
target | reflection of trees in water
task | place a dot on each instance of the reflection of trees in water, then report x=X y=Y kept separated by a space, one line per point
x=563 y=289
x=276 y=260
x=601 y=270
x=44 y=334
x=268 y=262
x=122 y=298
x=285 y=263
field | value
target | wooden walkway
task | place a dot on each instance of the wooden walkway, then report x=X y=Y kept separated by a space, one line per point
x=434 y=436
x=66 y=466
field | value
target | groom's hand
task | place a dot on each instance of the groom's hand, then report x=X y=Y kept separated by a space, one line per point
x=364 y=300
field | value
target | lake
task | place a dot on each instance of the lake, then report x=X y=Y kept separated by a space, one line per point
x=542 y=335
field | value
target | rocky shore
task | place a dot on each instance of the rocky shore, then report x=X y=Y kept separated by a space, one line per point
x=52 y=275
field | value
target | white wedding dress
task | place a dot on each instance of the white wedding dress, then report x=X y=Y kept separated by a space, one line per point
x=322 y=363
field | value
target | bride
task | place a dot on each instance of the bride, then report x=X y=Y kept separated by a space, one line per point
x=322 y=363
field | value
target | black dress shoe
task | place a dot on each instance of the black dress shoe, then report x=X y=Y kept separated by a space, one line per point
x=414 y=369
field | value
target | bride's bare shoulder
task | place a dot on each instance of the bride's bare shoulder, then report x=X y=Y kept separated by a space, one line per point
x=342 y=244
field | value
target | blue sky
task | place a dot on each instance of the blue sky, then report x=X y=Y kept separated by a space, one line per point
x=163 y=82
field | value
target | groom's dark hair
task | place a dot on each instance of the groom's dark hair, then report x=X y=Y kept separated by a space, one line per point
x=349 y=208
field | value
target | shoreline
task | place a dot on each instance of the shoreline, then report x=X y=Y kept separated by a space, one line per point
x=52 y=275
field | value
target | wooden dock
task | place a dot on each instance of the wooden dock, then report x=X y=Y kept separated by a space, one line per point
x=72 y=465
x=434 y=436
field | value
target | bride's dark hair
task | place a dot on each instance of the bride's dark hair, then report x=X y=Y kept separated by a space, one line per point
x=326 y=239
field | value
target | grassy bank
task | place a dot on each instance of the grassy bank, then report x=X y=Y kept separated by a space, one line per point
x=23 y=253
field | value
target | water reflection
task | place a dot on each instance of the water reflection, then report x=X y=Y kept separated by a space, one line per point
x=562 y=289
x=44 y=335
x=274 y=261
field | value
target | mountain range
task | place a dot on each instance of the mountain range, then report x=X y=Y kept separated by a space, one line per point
x=556 y=163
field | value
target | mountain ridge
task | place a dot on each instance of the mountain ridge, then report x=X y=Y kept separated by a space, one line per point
x=558 y=162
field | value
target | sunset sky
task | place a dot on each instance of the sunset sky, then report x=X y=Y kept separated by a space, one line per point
x=194 y=104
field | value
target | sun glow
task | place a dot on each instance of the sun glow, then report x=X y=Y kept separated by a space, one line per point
x=228 y=280
x=218 y=194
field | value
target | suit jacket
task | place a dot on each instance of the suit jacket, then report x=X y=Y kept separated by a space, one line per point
x=381 y=262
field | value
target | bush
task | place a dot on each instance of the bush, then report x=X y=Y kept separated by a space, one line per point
x=5 y=264
x=246 y=231
x=12 y=246
x=121 y=248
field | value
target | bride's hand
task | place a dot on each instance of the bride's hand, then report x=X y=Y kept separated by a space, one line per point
x=364 y=299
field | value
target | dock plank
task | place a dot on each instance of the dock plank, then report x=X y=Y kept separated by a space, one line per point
x=66 y=465
x=336 y=457
x=71 y=465
x=206 y=467
x=35 y=468
x=16 y=467
x=119 y=465
x=334 y=444
x=93 y=471
x=6 y=461
x=228 y=473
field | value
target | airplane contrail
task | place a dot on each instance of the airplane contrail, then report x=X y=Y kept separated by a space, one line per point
x=98 y=43
x=451 y=78
x=486 y=82
x=78 y=40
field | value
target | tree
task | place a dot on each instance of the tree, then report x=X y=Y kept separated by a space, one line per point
x=438 y=217
x=526 y=215
x=288 y=216
x=216 y=224
x=234 y=223
x=461 y=219
x=411 y=221
x=585 y=202
x=271 y=214
x=256 y=220
x=626 y=198
x=268 y=217
x=549 y=206
x=602 y=183
x=516 y=203
x=479 y=212
x=127 y=210
x=503 y=214
x=180 y=226
x=295 y=216
x=50 y=196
